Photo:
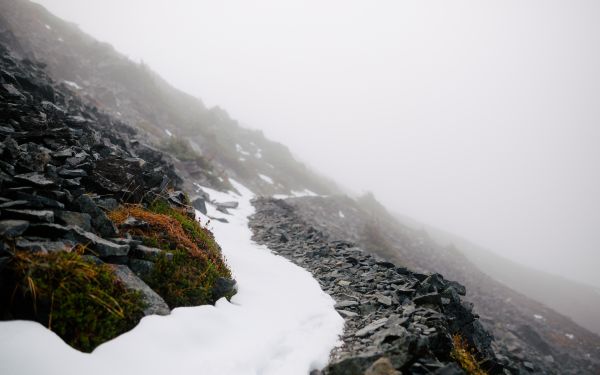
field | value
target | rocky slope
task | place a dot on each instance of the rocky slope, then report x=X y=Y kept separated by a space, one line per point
x=525 y=329
x=89 y=217
x=67 y=146
x=395 y=318
x=218 y=147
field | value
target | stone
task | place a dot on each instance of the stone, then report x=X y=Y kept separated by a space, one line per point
x=101 y=247
x=141 y=267
x=132 y=222
x=346 y=303
x=382 y=366
x=223 y=287
x=199 y=203
x=428 y=299
x=10 y=204
x=232 y=204
x=30 y=215
x=155 y=305
x=44 y=246
x=35 y=179
x=371 y=327
x=347 y=314
x=72 y=173
x=145 y=252
x=108 y=204
x=84 y=221
x=40 y=201
x=13 y=228
x=100 y=221
x=384 y=300
x=178 y=198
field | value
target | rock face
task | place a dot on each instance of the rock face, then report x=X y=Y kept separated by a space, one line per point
x=395 y=319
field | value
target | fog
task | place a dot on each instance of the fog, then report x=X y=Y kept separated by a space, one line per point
x=481 y=118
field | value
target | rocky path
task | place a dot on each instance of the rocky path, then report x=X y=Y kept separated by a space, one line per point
x=395 y=319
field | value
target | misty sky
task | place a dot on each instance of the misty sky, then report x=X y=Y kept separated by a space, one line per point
x=479 y=117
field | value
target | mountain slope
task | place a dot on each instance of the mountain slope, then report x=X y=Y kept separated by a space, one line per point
x=579 y=301
x=133 y=93
x=208 y=147
x=552 y=338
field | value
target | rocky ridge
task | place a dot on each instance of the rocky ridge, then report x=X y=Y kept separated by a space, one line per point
x=525 y=330
x=65 y=167
x=394 y=316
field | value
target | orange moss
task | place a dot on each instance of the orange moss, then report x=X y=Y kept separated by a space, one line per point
x=465 y=357
x=160 y=225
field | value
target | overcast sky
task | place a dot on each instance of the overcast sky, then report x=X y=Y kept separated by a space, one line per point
x=479 y=117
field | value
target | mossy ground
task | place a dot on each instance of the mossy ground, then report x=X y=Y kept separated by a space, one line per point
x=188 y=278
x=465 y=357
x=84 y=303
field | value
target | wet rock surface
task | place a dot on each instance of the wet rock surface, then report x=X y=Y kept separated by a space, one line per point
x=396 y=319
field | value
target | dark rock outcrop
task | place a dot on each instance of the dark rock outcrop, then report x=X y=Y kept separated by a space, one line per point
x=395 y=318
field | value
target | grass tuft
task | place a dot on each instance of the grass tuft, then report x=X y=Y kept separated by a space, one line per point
x=465 y=357
x=84 y=303
x=188 y=278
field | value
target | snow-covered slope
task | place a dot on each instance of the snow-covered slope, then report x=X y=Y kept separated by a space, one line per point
x=279 y=322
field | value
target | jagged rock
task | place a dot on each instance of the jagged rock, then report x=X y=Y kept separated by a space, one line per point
x=103 y=248
x=145 y=252
x=232 y=205
x=100 y=221
x=155 y=303
x=43 y=246
x=382 y=366
x=72 y=173
x=223 y=287
x=132 y=222
x=199 y=203
x=35 y=179
x=29 y=215
x=371 y=327
x=84 y=221
x=177 y=198
x=13 y=228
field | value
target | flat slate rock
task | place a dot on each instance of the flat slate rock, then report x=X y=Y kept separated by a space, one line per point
x=155 y=304
x=13 y=228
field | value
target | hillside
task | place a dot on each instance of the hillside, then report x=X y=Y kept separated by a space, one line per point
x=218 y=147
x=82 y=120
x=575 y=300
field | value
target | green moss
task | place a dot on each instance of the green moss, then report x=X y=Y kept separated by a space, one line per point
x=84 y=303
x=188 y=276
x=184 y=280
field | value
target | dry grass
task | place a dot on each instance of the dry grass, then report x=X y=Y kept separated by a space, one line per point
x=188 y=277
x=465 y=357
x=84 y=303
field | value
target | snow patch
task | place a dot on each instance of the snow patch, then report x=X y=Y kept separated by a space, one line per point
x=72 y=85
x=241 y=150
x=538 y=317
x=266 y=179
x=241 y=159
x=61 y=40
x=341 y=214
x=279 y=322
x=168 y=133
x=47 y=27
x=570 y=336
x=258 y=154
